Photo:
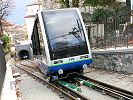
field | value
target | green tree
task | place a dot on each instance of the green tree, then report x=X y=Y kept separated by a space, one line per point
x=92 y=3
x=103 y=3
x=100 y=15
x=128 y=4
x=75 y=3
x=111 y=18
x=68 y=4
x=64 y=3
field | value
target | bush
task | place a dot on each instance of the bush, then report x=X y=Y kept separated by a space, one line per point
x=6 y=43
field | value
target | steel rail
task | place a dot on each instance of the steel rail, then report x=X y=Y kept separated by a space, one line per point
x=110 y=90
x=73 y=95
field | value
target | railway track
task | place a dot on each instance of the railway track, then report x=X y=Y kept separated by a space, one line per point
x=59 y=86
x=62 y=89
x=116 y=92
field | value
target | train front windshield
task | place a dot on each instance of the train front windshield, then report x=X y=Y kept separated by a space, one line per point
x=65 y=33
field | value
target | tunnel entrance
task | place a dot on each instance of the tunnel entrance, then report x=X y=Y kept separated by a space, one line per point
x=24 y=54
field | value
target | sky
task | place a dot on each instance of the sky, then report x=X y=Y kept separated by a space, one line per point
x=19 y=12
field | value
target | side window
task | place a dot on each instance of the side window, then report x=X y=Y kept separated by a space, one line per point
x=41 y=41
x=35 y=40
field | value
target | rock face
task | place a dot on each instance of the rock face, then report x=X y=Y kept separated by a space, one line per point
x=116 y=61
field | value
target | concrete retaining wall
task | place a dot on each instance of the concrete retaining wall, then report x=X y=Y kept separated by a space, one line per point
x=121 y=60
x=2 y=68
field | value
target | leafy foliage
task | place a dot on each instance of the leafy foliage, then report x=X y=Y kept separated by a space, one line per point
x=6 y=43
x=111 y=18
x=103 y=3
x=92 y=3
x=64 y=3
x=100 y=15
x=123 y=14
x=128 y=3
x=67 y=3
x=75 y=3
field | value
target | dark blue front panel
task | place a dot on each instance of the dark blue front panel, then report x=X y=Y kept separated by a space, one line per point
x=69 y=66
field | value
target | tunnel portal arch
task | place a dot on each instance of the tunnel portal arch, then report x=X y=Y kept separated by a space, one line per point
x=23 y=54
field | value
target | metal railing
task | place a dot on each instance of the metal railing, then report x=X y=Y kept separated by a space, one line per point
x=115 y=31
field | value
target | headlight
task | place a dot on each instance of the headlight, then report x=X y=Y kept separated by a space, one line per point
x=60 y=71
x=85 y=66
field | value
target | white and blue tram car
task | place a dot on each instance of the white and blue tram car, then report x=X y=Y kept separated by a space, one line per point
x=60 y=42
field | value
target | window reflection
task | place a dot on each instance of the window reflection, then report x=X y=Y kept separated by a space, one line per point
x=65 y=33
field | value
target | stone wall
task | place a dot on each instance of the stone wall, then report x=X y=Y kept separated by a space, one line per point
x=116 y=61
x=26 y=47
